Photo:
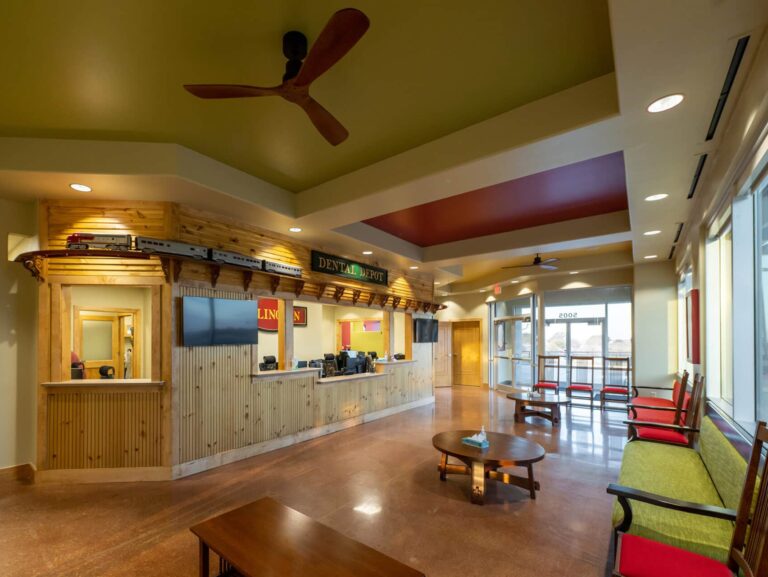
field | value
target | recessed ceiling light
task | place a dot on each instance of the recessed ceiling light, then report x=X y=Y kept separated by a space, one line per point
x=574 y=272
x=652 y=233
x=655 y=197
x=294 y=229
x=514 y=281
x=80 y=187
x=367 y=252
x=413 y=267
x=437 y=282
x=665 y=103
x=650 y=256
x=482 y=290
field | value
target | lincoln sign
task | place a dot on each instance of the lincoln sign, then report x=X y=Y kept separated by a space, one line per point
x=338 y=266
x=269 y=317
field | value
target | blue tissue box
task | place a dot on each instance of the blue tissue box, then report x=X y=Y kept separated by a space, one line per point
x=472 y=443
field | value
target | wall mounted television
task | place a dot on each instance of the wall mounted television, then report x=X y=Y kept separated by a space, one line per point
x=208 y=321
x=424 y=330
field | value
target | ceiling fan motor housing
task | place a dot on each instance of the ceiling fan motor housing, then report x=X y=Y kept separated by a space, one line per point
x=295 y=50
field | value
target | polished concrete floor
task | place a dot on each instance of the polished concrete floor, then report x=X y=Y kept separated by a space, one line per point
x=385 y=469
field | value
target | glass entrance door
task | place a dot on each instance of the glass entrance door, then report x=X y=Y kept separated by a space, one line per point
x=580 y=337
x=513 y=351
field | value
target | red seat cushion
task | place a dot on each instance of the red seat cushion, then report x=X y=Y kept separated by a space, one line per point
x=552 y=386
x=616 y=390
x=663 y=435
x=642 y=557
x=655 y=416
x=580 y=387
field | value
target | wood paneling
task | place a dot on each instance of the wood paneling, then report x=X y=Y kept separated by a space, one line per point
x=89 y=429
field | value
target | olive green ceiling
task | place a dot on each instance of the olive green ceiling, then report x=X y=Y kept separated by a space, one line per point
x=96 y=69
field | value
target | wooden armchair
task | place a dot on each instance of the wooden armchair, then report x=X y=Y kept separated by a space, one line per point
x=616 y=374
x=548 y=380
x=581 y=378
x=657 y=428
x=641 y=557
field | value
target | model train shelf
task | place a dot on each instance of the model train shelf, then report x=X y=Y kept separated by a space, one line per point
x=172 y=247
x=227 y=257
x=85 y=241
x=282 y=268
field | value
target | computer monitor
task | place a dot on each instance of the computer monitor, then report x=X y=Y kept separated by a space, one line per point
x=301 y=364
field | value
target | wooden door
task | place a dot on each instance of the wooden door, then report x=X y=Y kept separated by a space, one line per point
x=467 y=346
x=442 y=356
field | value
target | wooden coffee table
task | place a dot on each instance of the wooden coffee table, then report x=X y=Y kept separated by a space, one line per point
x=546 y=406
x=267 y=539
x=481 y=464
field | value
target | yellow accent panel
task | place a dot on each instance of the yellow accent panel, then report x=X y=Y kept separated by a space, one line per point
x=114 y=71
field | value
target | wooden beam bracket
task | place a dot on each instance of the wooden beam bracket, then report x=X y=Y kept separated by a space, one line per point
x=383 y=300
x=177 y=266
x=321 y=290
x=355 y=296
x=35 y=266
x=395 y=302
x=371 y=298
x=425 y=307
x=338 y=293
x=434 y=308
x=299 y=288
x=215 y=272
x=274 y=282
x=247 y=279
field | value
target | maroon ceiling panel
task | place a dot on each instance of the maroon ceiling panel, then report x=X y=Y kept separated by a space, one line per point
x=587 y=188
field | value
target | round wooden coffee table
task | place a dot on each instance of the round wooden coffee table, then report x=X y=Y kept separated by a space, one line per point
x=546 y=406
x=481 y=464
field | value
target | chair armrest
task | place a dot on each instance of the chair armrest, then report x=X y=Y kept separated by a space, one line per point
x=652 y=425
x=654 y=408
x=627 y=494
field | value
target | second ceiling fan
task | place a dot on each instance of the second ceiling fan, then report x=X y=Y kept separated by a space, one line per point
x=546 y=264
x=340 y=34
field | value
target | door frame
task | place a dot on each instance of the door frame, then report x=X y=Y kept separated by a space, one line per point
x=449 y=343
x=479 y=322
x=114 y=314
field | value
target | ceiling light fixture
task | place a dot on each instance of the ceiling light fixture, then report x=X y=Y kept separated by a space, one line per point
x=651 y=233
x=367 y=252
x=650 y=256
x=80 y=187
x=413 y=267
x=574 y=272
x=665 y=103
x=655 y=197
x=294 y=229
x=514 y=281
x=437 y=282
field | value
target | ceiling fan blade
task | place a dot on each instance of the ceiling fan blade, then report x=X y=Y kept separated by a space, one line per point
x=325 y=122
x=548 y=267
x=338 y=37
x=519 y=266
x=229 y=90
x=549 y=260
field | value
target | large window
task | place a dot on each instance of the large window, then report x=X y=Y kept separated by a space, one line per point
x=761 y=349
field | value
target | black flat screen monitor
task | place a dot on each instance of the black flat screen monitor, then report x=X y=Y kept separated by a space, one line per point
x=424 y=330
x=207 y=321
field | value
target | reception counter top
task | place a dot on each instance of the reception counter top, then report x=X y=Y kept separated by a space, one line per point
x=403 y=362
x=343 y=378
x=105 y=383
x=283 y=372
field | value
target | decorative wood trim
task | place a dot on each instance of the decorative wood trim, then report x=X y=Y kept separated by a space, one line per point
x=274 y=284
x=299 y=288
x=321 y=290
x=215 y=272
x=18 y=474
x=371 y=298
x=395 y=302
x=338 y=293
x=177 y=266
x=106 y=475
x=247 y=279
x=355 y=296
x=383 y=300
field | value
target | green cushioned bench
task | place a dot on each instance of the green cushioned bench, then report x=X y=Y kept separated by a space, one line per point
x=714 y=475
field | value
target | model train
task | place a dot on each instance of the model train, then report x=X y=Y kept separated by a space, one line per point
x=84 y=241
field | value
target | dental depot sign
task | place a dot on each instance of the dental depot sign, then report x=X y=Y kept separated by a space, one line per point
x=269 y=315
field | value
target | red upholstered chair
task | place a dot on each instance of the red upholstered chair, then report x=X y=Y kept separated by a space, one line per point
x=548 y=375
x=581 y=381
x=641 y=557
x=684 y=426
x=677 y=387
x=615 y=381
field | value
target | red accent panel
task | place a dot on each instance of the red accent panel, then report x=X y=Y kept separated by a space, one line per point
x=692 y=326
x=642 y=557
x=588 y=188
x=346 y=335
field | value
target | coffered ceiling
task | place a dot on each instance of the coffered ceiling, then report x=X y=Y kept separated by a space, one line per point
x=480 y=135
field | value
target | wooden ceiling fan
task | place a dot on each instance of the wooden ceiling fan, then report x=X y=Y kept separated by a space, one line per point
x=340 y=34
x=546 y=264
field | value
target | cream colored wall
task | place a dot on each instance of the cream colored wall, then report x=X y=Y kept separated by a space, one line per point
x=474 y=305
x=399 y=329
x=18 y=333
x=122 y=297
x=308 y=342
x=655 y=324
